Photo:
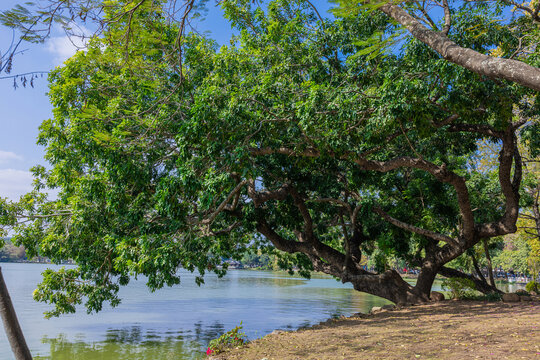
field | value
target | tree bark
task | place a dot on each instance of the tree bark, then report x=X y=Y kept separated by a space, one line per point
x=389 y=285
x=11 y=324
x=489 y=264
x=425 y=280
x=477 y=268
x=492 y=67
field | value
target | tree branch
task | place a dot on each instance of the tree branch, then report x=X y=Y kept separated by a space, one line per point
x=508 y=156
x=308 y=221
x=447 y=18
x=260 y=197
x=492 y=67
x=225 y=202
x=417 y=230
x=480 y=285
x=477 y=128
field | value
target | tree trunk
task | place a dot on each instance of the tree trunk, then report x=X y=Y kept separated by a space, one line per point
x=389 y=285
x=427 y=275
x=11 y=324
x=489 y=264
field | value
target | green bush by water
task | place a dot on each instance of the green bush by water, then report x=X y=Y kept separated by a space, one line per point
x=533 y=286
x=231 y=339
x=459 y=288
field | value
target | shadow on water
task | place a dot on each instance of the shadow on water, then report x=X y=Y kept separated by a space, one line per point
x=135 y=343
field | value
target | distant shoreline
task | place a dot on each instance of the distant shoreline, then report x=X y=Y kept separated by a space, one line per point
x=47 y=262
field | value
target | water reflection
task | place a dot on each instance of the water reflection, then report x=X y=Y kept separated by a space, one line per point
x=204 y=335
x=268 y=281
x=129 y=343
x=129 y=335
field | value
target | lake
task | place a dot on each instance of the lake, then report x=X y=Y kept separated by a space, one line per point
x=178 y=322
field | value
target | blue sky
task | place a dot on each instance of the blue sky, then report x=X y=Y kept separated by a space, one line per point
x=23 y=109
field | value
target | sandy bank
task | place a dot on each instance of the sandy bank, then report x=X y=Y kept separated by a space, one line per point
x=446 y=330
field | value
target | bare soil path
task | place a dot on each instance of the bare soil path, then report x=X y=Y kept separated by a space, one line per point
x=446 y=330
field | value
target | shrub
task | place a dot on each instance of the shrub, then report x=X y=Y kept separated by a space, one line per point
x=533 y=286
x=231 y=339
x=492 y=296
x=459 y=288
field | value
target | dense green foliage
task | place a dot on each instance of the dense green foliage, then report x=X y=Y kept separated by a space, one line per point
x=533 y=286
x=296 y=131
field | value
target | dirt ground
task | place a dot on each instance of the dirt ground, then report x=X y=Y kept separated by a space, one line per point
x=445 y=330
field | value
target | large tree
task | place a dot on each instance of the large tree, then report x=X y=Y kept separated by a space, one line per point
x=294 y=137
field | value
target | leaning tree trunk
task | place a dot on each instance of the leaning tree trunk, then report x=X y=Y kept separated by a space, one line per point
x=11 y=324
x=389 y=285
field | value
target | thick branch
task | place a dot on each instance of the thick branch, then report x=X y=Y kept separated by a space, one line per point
x=301 y=205
x=508 y=156
x=260 y=197
x=493 y=67
x=477 y=128
x=441 y=173
x=11 y=324
x=480 y=285
x=279 y=242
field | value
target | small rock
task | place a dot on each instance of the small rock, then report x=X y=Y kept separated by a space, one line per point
x=277 y=332
x=358 y=315
x=436 y=296
x=376 y=309
x=510 y=297
x=525 y=298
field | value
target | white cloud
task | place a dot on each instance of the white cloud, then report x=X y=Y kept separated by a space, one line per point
x=64 y=47
x=14 y=183
x=7 y=156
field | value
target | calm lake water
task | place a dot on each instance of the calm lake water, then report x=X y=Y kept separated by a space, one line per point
x=178 y=322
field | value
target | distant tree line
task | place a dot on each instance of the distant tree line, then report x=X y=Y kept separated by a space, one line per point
x=10 y=252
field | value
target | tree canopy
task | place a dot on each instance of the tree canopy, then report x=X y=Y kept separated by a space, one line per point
x=298 y=136
x=515 y=58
